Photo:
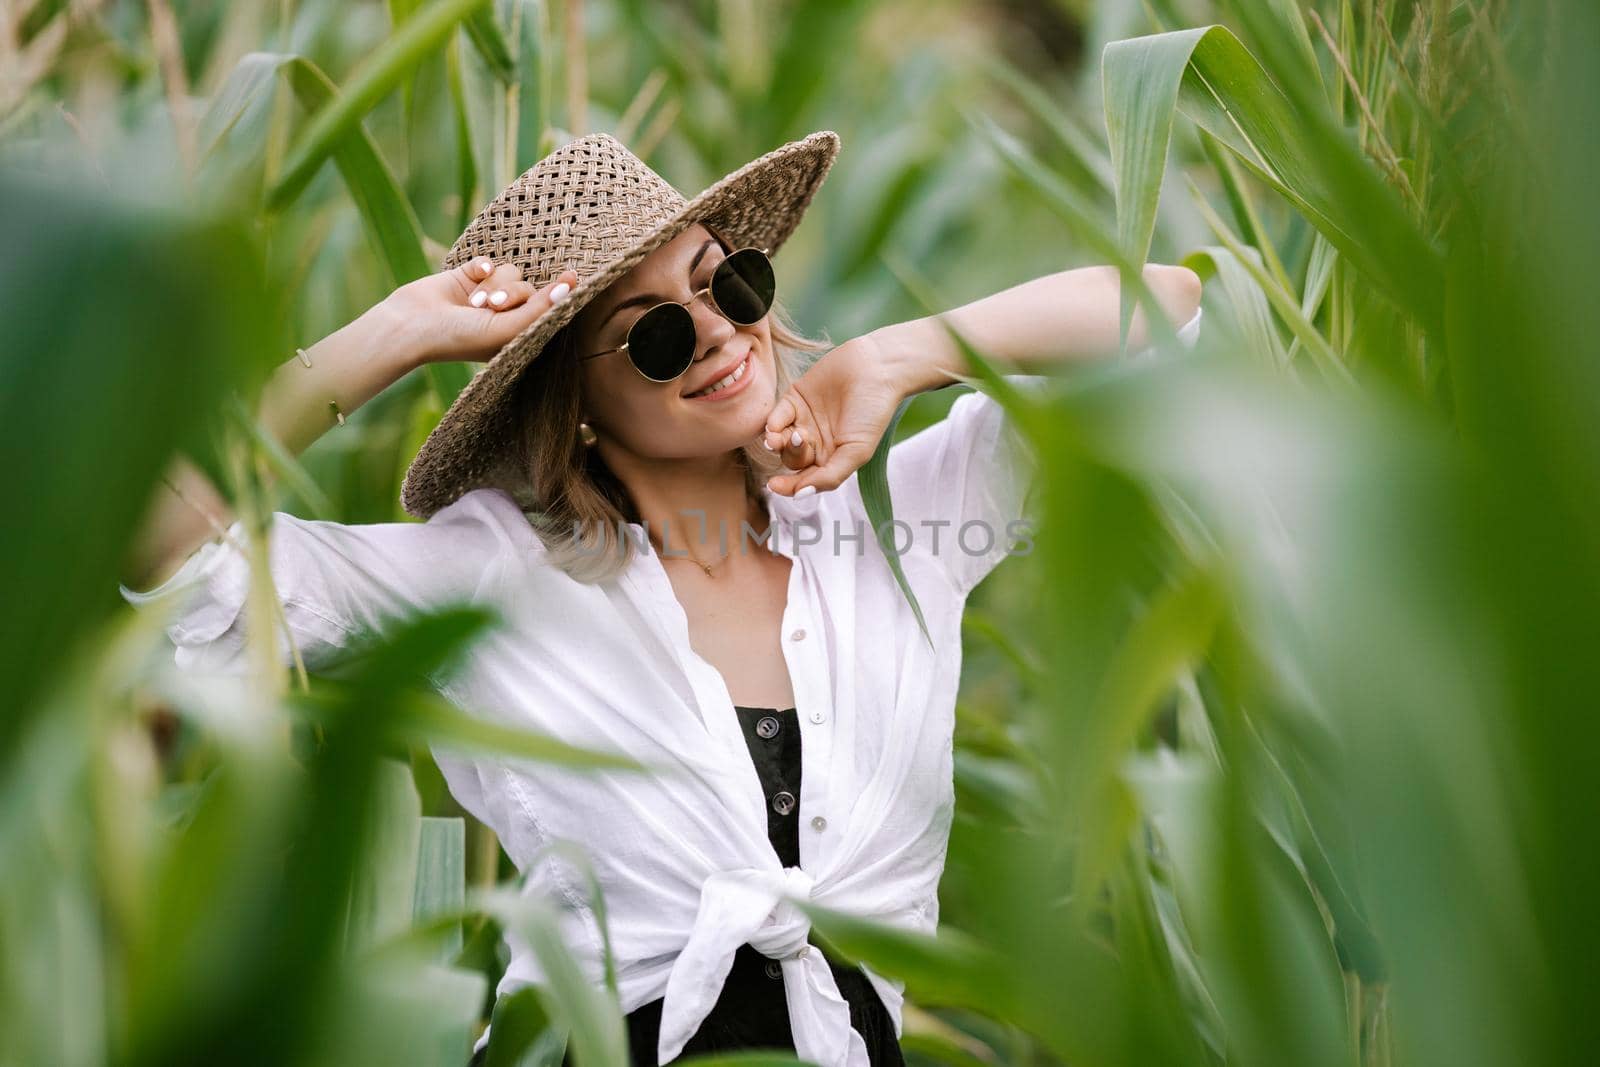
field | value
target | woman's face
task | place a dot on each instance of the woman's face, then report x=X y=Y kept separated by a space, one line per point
x=675 y=420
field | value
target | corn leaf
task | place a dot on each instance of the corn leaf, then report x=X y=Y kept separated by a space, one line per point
x=1252 y=314
x=1306 y=157
x=419 y=36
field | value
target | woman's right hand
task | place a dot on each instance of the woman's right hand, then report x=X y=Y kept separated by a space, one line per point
x=469 y=312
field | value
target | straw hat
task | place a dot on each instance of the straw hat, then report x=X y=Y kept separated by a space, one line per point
x=595 y=206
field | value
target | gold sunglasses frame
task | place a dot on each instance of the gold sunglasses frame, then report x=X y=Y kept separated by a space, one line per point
x=705 y=290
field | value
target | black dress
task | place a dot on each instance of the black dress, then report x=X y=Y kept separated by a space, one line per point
x=751 y=1012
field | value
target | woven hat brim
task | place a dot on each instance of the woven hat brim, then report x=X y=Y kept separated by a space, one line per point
x=466 y=448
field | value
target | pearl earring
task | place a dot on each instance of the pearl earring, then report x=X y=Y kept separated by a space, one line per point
x=586 y=435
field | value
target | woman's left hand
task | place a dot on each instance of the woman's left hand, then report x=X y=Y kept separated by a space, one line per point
x=839 y=408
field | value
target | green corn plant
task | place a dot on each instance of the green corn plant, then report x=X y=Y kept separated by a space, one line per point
x=1272 y=751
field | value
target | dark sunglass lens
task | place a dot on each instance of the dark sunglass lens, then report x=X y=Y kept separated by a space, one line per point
x=661 y=342
x=743 y=286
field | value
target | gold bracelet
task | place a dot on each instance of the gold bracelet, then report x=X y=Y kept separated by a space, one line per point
x=333 y=405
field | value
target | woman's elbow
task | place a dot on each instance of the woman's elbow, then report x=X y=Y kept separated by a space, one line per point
x=1177 y=289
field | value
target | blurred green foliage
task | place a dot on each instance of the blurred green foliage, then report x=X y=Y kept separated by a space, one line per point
x=1273 y=751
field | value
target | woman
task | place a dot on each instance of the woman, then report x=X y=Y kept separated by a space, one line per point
x=660 y=505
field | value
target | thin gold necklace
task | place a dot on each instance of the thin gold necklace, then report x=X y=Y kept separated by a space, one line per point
x=696 y=560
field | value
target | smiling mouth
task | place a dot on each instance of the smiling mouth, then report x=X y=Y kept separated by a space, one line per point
x=726 y=380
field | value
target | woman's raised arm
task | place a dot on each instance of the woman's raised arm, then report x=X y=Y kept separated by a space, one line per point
x=830 y=421
x=465 y=313
x=1069 y=315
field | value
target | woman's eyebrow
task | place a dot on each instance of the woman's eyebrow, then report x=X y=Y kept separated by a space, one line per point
x=656 y=298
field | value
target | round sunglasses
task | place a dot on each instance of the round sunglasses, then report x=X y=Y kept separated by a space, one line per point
x=661 y=342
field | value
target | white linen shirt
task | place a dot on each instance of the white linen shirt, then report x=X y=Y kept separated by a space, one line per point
x=683 y=859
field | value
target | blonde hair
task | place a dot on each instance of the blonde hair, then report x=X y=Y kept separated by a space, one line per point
x=564 y=487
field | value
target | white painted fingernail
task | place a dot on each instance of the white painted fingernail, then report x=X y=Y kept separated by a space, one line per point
x=478 y=298
x=487 y=267
x=559 y=293
x=764 y=443
x=805 y=490
x=795 y=439
x=497 y=297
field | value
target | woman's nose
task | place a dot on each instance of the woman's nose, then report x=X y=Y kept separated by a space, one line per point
x=711 y=327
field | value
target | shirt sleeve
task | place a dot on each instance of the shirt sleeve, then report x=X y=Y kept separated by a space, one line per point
x=334 y=581
x=959 y=486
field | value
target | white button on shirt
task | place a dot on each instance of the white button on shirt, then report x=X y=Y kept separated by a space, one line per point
x=683 y=858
